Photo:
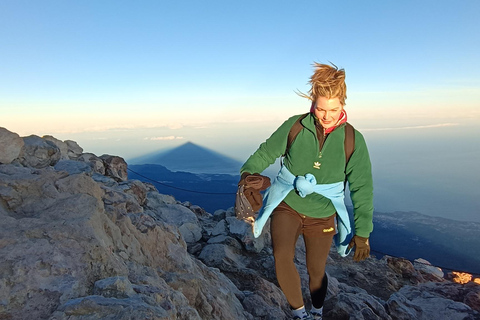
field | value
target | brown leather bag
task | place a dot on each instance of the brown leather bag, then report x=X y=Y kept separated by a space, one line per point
x=249 y=200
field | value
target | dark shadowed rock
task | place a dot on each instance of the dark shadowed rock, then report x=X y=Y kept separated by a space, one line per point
x=219 y=214
x=472 y=298
x=99 y=307
x=357 y=303
x=115 y=167
x=405 y=268
x=432 y=300
x=62 y=146
x=220 y=228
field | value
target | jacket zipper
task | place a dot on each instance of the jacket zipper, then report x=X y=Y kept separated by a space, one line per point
x=321 y=136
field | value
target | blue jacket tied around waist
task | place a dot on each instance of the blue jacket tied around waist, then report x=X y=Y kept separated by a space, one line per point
x=285 y=182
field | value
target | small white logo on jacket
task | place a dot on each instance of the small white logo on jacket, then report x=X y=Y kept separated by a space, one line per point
x=316 y=165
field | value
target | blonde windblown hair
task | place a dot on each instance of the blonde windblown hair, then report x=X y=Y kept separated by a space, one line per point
x=327 y=81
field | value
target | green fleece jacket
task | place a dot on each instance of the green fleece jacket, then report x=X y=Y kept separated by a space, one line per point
x=324 y=157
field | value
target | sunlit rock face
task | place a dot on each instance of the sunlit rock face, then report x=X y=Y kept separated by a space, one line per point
x=10 y=146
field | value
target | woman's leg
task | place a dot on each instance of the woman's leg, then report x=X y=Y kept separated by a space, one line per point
x=286 y=228
x=317 y=249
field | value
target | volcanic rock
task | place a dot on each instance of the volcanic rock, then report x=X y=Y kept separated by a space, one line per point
x=10 y=146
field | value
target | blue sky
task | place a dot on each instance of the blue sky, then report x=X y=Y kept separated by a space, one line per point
x=131 y=77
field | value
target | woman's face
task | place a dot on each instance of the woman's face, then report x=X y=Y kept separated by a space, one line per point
x=328 y=111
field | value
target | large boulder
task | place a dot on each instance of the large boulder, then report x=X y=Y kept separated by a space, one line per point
x=95 y=162
x=115 y=167
x=10 y=145
x=73 y=149
x=62 y=146
x=38 y=152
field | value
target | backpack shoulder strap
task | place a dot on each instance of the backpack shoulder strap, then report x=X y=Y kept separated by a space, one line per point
x=349 y=141
x=294 y=131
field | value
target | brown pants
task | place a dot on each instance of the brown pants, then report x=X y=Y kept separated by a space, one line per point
x=286 y=226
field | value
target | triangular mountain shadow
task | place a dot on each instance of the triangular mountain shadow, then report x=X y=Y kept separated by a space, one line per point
x=193 y=158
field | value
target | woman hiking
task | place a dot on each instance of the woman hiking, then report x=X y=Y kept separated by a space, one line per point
x=307 y=195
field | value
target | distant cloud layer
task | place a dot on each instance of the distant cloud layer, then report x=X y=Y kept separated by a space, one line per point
x=439 y=125
x=164 y=138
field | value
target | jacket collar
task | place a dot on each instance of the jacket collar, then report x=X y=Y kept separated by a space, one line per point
x=309 y=122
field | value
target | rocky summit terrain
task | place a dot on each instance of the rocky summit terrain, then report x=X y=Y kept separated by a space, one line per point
x=79 y=240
